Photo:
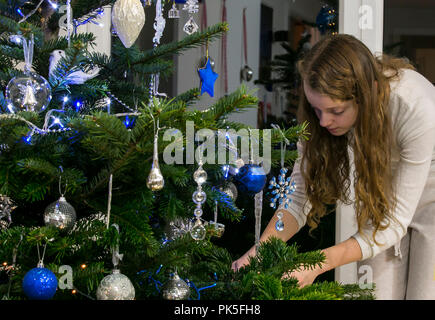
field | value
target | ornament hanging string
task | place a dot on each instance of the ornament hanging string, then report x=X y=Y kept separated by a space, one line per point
x=224 y=50
x=204 y=25
x=109 y=202
x=27 y=48
x=60 y=183
x=116 y=256
x=41 y=259
x=245 y=37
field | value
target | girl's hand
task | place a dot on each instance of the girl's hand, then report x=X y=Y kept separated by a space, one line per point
x=305 y=277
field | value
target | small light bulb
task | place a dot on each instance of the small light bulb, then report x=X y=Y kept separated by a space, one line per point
x=65 y=99
x=5 y=263
x=83 y=266
x=74 y=291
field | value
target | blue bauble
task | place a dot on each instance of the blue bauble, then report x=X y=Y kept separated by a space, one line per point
x=39 y=284
x=180 y=1
x=251 y=178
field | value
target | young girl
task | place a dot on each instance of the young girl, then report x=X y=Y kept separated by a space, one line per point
x=374 y=119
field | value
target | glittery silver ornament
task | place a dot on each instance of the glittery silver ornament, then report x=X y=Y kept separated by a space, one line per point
x=6 y=207
x=176 y=288
x=128 y=19
x=116 y=286
x=60 y=214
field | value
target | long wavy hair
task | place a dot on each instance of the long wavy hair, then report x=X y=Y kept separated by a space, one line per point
x=343 y=68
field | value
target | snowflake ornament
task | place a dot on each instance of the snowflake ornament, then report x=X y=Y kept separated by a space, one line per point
x=191 y=6
x=283 y=188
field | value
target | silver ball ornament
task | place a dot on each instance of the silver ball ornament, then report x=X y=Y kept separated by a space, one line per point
x=116 y=286
x=230 y=189
x=246 y=74
x=175 y=288
x=60 y=214
x=203 y=62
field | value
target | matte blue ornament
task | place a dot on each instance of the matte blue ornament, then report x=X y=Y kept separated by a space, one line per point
x=251 y=178
x=208 y=78
x=39 y=284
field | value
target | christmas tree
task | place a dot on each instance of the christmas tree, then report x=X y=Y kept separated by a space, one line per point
x=84 y=190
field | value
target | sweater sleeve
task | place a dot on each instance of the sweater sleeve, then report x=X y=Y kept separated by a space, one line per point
x=414 y=126
x=298 y=198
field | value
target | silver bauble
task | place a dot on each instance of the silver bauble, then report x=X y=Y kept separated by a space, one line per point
x=128 y=19
x=176 y=289
x=60 y=214
x=28 y=92
x=246 y=74
x=203 y=61
x=115 y=286
x=230 y=189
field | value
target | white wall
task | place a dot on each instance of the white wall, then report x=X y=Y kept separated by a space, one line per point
x=187 y=64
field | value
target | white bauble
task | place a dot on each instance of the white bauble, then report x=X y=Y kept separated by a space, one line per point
x=128 y=19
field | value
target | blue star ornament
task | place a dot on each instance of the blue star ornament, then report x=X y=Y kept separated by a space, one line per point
x=208 y=78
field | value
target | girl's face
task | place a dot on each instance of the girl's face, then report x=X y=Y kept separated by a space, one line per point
x=337 y=116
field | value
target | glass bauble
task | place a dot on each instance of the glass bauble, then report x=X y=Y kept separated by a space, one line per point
x=60 y=214
x=176 y=289
x=28 y=92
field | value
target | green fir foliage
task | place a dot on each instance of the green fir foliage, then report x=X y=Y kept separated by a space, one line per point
x=98 y=146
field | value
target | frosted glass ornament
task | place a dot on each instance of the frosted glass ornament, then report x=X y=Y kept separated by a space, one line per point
x=128 y=19
x=28 y=92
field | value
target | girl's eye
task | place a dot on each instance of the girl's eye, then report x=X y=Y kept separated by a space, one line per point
x=337 y=113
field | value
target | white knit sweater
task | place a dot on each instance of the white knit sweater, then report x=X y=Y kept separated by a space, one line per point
x=412 y=105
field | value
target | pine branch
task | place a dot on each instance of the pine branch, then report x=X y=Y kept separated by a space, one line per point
x=192 y=41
